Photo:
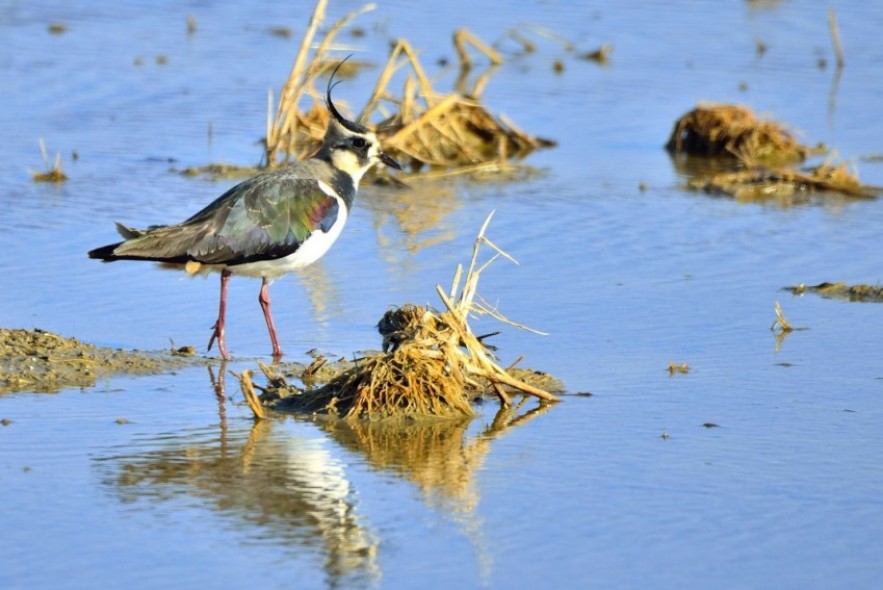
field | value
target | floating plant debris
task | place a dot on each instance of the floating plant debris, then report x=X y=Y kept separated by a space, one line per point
x=783 y=184
x=53 y=172
x=842 y=291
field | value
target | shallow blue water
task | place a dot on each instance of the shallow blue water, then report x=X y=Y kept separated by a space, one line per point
x=784 y=493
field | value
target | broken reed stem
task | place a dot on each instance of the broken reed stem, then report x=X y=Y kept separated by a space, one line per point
x=462 y=37
x=251 y=398
x=329 y=37
x=391 y=68
x=44 y=153
x=781 y=323
x=475 y=248
x=835 y=37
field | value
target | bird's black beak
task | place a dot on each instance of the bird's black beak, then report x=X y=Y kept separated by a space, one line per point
x=387 y=159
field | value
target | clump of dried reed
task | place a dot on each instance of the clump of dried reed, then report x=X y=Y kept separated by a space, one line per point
x=432 y=363
x=446 y=130
x=761 y=154
x=734 y=131
x=423 y=128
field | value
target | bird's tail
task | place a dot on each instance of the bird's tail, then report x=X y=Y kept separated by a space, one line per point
x=156 y=243
x=105 y=253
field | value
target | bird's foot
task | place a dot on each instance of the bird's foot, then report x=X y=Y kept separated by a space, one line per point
x=218 y=332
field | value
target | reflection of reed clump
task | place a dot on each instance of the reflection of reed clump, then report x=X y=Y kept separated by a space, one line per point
x=433 y=454
x=437 y=455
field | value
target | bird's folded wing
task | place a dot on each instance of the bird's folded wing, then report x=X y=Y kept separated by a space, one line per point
x=265 y=219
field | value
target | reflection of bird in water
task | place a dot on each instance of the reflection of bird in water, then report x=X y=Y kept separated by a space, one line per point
x=402 y=230
x=322 y=291
x=287 y=485
x=268 y=226
x=419 y=216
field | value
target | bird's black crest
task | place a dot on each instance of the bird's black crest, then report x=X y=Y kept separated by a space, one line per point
x=351 y=125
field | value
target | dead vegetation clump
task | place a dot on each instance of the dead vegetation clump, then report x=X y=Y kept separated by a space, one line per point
x=734 y=131
x=432 y=363
x=427 y=131
x=783 y=184
x=760 y=155
x=842 y=291
x=411 y=379
x=446 y=131
x=781 y=323
x=425 y=127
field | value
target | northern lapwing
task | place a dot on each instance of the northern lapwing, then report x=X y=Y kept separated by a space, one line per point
x=269 y=225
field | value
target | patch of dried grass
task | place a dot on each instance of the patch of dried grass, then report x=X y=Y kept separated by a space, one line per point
x=52 y=172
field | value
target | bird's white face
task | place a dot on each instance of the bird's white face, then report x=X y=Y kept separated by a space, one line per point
x=355 y=153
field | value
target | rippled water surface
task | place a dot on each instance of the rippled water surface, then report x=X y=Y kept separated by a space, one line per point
x=623 y=488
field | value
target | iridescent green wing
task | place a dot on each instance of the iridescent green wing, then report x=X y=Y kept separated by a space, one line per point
x=264 y=218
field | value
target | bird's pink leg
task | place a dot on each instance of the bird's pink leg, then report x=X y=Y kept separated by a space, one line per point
x=264 y=300
x=218 y=328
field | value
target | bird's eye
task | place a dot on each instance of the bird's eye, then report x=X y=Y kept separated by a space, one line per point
x=359 y=142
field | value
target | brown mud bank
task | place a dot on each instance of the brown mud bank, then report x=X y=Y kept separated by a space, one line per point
x=39 y=361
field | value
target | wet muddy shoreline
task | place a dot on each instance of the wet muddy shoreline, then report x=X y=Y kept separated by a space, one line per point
x=41 y=362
